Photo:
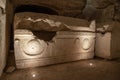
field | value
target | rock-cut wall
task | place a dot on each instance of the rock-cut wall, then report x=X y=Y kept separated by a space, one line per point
x=2 y=36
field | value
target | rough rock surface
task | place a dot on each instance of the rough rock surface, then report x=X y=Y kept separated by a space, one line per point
x=106 y=14
x=101 y=10
x=117 y=11
x=63 y=7
x=108 y=10
x=2 y=36
x=101 y=4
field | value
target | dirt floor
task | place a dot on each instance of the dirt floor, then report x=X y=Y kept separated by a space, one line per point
x=95 y=69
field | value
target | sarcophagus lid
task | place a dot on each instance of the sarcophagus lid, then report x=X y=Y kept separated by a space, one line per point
x=39 y=21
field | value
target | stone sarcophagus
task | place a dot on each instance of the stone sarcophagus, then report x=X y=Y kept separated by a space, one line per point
x=107 y=41
x=70 y=43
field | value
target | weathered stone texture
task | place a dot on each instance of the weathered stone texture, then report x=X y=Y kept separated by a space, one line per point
x=108 y=10
x=2 y=35
x=106 y=14
x=101 y=4
x=38 y=21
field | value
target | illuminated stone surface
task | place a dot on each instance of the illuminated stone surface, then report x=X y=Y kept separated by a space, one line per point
x=2 y=35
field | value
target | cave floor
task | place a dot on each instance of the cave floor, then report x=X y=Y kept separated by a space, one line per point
x=95 y=69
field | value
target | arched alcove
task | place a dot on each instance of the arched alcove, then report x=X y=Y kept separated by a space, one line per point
x=34 y=8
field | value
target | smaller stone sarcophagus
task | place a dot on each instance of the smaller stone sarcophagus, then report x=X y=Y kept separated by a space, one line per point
x=70 y=43
x=108 y=41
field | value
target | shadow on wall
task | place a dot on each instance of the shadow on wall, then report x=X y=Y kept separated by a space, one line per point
x=89 y=12
x=34 y=8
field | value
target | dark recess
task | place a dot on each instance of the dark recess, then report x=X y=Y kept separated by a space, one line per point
x=34 y=8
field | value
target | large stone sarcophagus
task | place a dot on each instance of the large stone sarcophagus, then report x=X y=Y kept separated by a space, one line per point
x=73 y=40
